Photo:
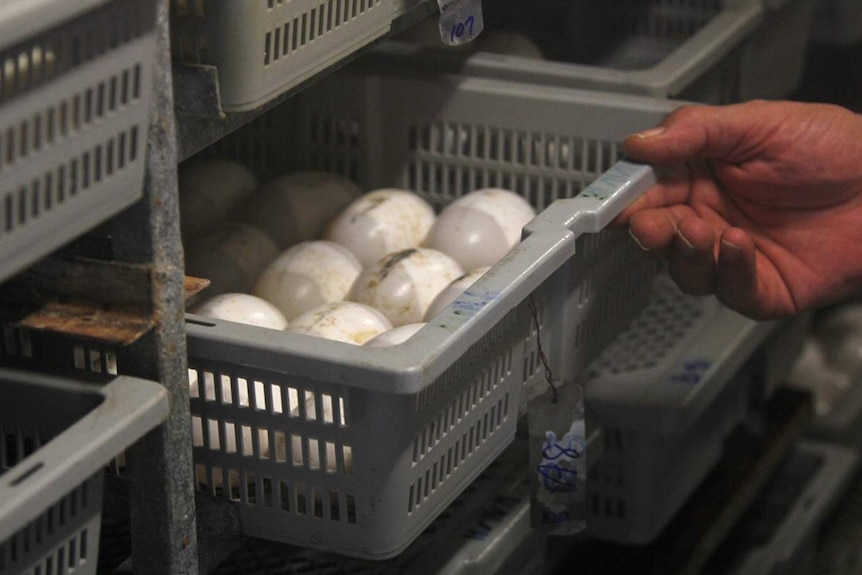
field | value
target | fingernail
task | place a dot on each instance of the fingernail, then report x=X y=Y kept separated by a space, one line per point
x=651 y=133
x=687 y=247
x=730 y=249
x=637 y=241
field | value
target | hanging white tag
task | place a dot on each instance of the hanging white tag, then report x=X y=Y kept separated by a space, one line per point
x=557 y=451
x=460 y=21
x=558 y=460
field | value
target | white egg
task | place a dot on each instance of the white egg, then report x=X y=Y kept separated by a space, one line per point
x=296 y=207
x=403 y=284
x=395 y=335
x=509 y=43
x=381 y=222
x=481 y=227
x=307 y=275
x=453 y=290
x=210 y=193
x=231 y=257
x=242 y=308
x=345 y=321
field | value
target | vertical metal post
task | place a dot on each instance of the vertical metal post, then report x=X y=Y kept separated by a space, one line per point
x=161 y=488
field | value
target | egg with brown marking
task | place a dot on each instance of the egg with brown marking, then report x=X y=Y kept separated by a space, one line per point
x=382 y=222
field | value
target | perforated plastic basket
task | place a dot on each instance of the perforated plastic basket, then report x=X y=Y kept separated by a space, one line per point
x=356 y=450
x=74 y=108
x=667 y=392
x=57 y=435
x=712 y=51
x=484 y=531
x=779 y=532
x=262 y=48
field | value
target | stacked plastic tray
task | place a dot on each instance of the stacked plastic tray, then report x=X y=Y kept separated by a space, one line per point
x=401 y=7
x=666 y=393
x=357 y=450
x=779 y=533
x=484 y=531
x=262 y=48
x=712 y=51
x=74 y=108
x=57 y=435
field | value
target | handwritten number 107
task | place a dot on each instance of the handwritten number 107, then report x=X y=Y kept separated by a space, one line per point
x=461 y=27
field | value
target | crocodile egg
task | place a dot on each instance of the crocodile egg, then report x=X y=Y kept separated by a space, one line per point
x=307 y=275
x=481 y=227
x=242 y=308
x=395 y=335
x=381 y=222
x=403 y=284
x=453 y=290
x=345 y=321
x=210 y=191
x=231 y=257
x=296 y=207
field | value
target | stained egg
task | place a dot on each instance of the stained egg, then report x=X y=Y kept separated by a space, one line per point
x=231 y=257
x=453 y=290
x=403 y=284
x=481 y=227
x=210 y=193
x=306 y=275
x=296 y=207
x=242 y=308
x=345 y=321
x=395 y=335
x=381 y=222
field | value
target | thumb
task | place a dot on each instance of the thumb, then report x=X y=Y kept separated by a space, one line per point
x=700 y=132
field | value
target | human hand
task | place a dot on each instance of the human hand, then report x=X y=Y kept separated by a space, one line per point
x=759 y=203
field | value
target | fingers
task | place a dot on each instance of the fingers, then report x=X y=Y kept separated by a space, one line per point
x=737 y=284
x=702 y=261
x=673 y=188
x=729 y=133
x=691 y=260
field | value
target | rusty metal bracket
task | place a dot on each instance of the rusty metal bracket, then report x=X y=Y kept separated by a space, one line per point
x=106 y=301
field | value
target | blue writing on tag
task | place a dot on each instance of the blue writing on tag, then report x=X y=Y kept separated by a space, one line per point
x=557 y=471
x=460 y=20
x=554 y=517
x=691 y=372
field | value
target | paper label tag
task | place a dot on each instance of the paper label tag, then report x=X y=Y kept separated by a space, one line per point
x=460 y=21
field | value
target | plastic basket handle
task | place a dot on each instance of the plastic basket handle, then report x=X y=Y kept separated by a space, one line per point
x=131 y=407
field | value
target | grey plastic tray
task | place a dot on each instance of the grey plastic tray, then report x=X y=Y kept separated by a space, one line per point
x=75 y=81
x=666 y=393
x=262 y=48
x=57 y=435
x=708 y=51
x=486 y=530
x=779 y=533
x=419 y=422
